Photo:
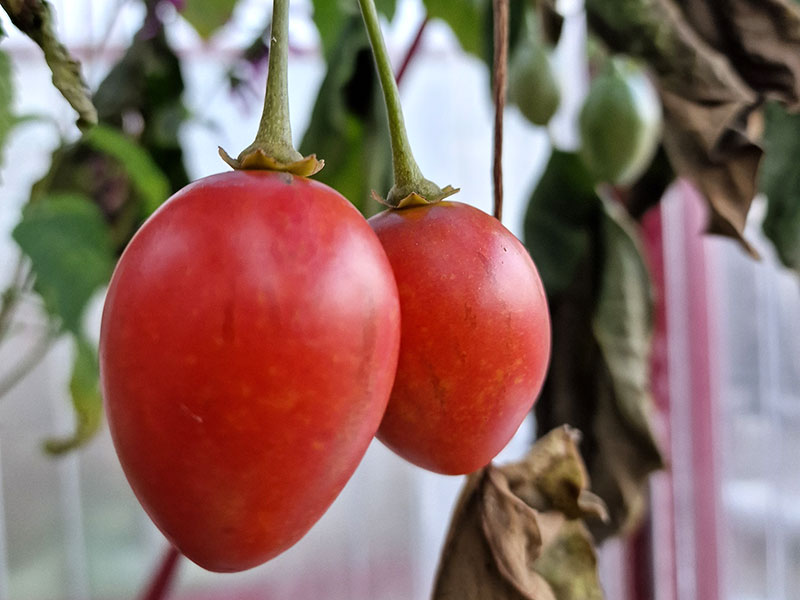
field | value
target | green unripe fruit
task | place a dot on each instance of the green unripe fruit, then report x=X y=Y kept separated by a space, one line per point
x=620 y=123
x=532 y=85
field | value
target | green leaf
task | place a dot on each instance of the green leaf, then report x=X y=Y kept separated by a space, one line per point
x=623 y=321
x=147 y=82
x=465 y=18
x=84 y=389
x=779 y=180
x=35 y=19
x=601 y=312
x=68 y=244
x=556 y=221
x=348 y=127
x=144 y=174
x=206 y=16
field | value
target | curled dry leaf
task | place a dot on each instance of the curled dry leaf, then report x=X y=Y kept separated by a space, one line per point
x=761 y=39
x=517 y=531
x=715 y=62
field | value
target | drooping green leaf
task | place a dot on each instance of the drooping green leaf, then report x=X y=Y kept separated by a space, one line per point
x=84 y=389
x=35 y=19
x=623 y=323
x=779 y=180
x=68 y=244
x=348 y=127
x=601 y=312
x=561 y=207
x=465 y=18
x=206 y=16
x=144 y=174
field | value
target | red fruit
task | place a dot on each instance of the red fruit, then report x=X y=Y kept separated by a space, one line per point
x=248 y=346
x=475 y=335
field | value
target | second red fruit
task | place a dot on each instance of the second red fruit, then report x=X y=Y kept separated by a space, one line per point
x=475 y=335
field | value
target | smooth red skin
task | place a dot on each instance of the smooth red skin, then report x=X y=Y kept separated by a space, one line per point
x=248 y=347
x=475 y=335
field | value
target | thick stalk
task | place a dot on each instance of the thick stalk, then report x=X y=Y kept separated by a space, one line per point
x=275 y=130
x=272 y=148
x=408 y=179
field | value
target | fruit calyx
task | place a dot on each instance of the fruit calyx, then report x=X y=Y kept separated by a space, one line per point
x=272 y=149
x=257 y=157
x=420 y=193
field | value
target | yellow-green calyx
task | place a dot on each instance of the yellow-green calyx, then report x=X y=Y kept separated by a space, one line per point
x=256 y=158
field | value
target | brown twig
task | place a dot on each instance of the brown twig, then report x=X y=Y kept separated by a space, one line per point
x=158 y=586
x=412 y=51
x=499 y=82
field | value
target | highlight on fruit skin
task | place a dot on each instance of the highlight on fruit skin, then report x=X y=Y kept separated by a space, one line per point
x=475 y=335
x=620 y=122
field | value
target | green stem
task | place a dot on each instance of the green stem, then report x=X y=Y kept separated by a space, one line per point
x=275 y=130
x=272 y=149
x=408 y=178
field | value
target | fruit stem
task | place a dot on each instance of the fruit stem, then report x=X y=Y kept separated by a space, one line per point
x=273 y=148
x=408 y=179
x=275 y=131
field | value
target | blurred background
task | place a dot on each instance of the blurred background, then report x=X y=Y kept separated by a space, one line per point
x=725 y=516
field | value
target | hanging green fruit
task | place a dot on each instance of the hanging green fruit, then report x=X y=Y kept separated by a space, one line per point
x=532 y=84
x=620 y=122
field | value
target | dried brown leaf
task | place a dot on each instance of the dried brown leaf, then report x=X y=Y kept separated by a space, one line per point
x=555 y=478
x=500 y=547
x=573 y=546
x=761 y=39
x=494 y=566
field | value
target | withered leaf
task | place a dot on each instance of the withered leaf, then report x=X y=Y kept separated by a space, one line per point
x=503 y=547
x=574 y=547
x=554 y=477
x=761 y=39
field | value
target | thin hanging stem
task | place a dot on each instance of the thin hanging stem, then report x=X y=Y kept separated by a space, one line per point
x=408 y=179
x=499 y=83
